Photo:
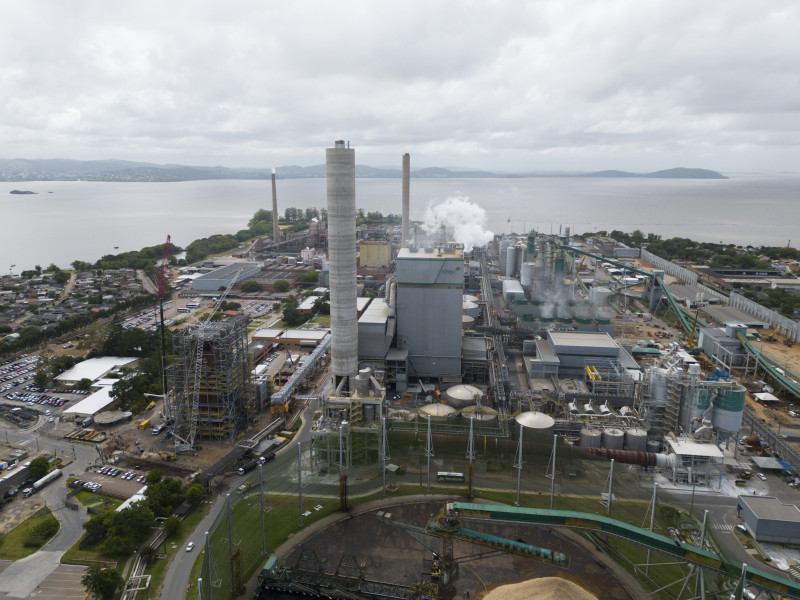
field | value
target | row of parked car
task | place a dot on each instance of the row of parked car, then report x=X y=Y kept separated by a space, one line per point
x=113 y=472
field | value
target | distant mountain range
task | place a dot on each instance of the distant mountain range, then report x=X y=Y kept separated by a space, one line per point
x=21 y=169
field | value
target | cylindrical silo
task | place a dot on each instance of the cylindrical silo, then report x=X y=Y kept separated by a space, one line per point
x=341 y=182
x=467 y=322
x=590 y=438
x=636 y=439
x=483 y=414
x=728 y=408
x=613 y=438
x=470 y=307
x=654 y=446
x=511 y=261
x=526 y=275
x=461 y=396
x=502 y=248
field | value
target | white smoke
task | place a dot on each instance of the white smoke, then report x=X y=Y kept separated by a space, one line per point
x=463 y=221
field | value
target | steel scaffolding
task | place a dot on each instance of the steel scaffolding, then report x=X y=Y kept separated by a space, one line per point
x=212 y=381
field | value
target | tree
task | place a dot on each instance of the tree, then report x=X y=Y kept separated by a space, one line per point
x=102 y=581
x=195 y=494
x=250 y=286
x=172 y=525
x=154 y=476
x=148 y=553
x=281 y=285
x=84 y=384
x=38 y=468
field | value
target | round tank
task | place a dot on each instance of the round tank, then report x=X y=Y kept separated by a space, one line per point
x=613 y=439
x=536 y=420
x=526 y=274
x=625 y=411
x=467 y=322
x=588 y=408
x=590 y=438
x=564 y=315
x=470 y=308
x=605 y=410
x=728 y=408
x=484 y=414
x=511 y=261
x=583 y=320
x=603 y=320
x=573 y=408
x=438 y=412
x=653 y=446
x=369 y=412
x=461 y=396
x=636 y=440
x=546 y=319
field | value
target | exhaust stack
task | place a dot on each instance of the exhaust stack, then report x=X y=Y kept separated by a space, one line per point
x=406 y=201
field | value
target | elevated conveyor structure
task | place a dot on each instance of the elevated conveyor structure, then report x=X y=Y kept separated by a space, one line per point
x=776 y=370
x=636 y=535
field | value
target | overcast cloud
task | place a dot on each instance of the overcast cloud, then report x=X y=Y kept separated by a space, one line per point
x=503 y=85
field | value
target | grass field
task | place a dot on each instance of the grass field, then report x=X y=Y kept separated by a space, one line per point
x=100 y=502
x=12 y=544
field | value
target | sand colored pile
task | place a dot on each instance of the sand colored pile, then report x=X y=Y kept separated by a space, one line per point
x=543 y=588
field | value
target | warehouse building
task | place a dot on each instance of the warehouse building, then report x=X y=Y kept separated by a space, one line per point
x=221 y=277
x=768 y=520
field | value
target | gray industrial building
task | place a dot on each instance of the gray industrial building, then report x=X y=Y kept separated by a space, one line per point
x=722 y=345
x=430 y=288
x=566 y=353
x=375 y=331
x=221 y=278
x=768 y=520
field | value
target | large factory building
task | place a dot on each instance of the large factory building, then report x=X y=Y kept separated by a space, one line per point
x=430 y=289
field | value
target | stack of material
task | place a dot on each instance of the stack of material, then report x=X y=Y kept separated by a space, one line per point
x=544 y=588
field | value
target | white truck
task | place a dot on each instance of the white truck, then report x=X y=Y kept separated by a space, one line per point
x=50 y=477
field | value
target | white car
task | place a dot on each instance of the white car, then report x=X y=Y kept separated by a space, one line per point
x=762 y=477
x=190 y=546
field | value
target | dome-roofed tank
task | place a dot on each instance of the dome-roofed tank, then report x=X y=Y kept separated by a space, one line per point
x=636 y=439
x=467 y=322
x=438 y=412
x=470 y=307
x=603 y=320
x=613 y=438
x=590 y=438
x=535 y=420
x=483 y=414
x=461 y=396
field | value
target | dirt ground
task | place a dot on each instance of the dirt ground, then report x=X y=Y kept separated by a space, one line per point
x=389 y=554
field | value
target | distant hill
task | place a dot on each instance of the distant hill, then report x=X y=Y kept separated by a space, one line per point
x=58 y=169
x=678 y=173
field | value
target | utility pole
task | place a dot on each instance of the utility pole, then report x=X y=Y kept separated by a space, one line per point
x=429 y=454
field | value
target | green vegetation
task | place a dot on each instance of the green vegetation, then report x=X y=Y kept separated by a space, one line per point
x=309 y=279
x=102 y=582
x=291 y=316
x=119 y=533
x=97 y=501
x=281 y=285
x=30 y=535
x=250 y=286
x=39 y=467
x=376 y=218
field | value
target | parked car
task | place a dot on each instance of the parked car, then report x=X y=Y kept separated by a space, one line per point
x=190 y=546
x=762 y=477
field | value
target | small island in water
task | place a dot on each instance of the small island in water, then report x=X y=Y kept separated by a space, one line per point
x=21 y=192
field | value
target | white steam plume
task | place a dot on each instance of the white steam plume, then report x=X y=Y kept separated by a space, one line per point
x=463 y=220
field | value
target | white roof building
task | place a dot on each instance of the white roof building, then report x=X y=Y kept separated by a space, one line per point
x=94 y=368
x=92 y=404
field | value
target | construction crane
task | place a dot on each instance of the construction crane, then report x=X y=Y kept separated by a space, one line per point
x=770 y=337
x=185 y=443
x=160 y=280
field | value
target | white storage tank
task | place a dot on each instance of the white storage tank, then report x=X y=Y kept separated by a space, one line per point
x=467 y=322
x=511 y=261
x=526 y=274
x=572 y=407
x=590 y=438
x=484 y=414
x=613 y=439
x=535 y=420
x=636 y=439
x=604 y=409
x=588 y=408
x=461 y=396
x=728 y=408
x=470 y=308
x=438 y=412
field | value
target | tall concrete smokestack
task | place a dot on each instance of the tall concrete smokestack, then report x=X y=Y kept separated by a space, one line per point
x=340 y=162
x=406 y=182
x=275 y=231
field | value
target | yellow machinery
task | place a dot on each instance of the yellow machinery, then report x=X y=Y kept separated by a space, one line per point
x=144 y=424
x=771 y=336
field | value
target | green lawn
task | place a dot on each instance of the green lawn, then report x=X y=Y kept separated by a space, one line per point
x=158 y=569
x=12 y=544
x=104 y=503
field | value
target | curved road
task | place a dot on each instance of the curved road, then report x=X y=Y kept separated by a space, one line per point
x=176 y=580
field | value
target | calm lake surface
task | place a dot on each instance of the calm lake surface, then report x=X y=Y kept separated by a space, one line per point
x=68 y=220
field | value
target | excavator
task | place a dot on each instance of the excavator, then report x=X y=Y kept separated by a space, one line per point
x=771 y=336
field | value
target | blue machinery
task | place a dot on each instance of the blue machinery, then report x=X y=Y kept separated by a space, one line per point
x=447 y=526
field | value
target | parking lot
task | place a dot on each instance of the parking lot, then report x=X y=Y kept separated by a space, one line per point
x=63 y=583
x=114 y=486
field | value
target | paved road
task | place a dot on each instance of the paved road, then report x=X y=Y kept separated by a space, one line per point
x=21 y=577
x=177 y=577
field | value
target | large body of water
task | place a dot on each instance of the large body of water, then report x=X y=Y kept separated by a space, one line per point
x=65 y=221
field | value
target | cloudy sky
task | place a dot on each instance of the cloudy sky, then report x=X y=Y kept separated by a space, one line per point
x=504 y=85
